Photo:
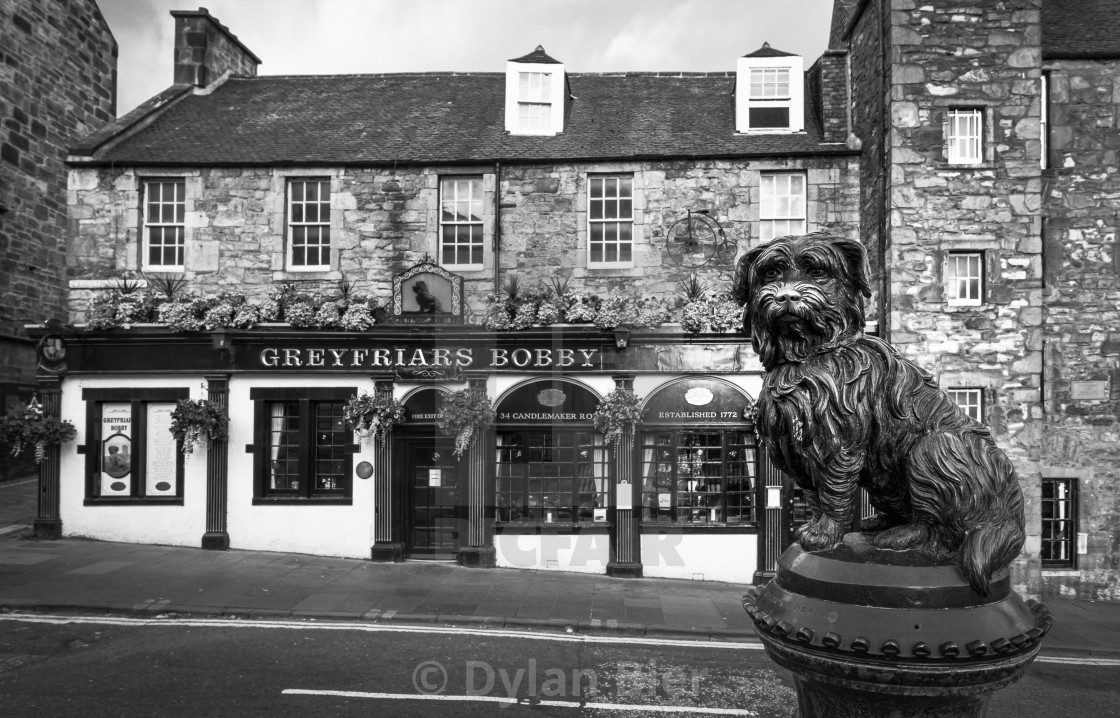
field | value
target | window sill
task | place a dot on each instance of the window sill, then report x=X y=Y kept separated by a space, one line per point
x=301 y=501
x=554 y=528
x=714 y=528
x=606 y=267
x=146 y=501
x=291 y=275
x=1059 y=571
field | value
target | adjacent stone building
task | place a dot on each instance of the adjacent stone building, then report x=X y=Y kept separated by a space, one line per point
x=285 y=199
x=58 y=79
x=989 y=203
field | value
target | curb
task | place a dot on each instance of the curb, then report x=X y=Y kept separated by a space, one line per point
x=167 y=609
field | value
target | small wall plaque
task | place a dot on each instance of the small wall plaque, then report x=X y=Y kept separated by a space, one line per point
x=1089 y=390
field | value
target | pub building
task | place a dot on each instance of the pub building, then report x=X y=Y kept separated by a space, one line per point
x=428 y=193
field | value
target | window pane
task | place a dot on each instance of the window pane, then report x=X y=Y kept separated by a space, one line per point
x=768 y=117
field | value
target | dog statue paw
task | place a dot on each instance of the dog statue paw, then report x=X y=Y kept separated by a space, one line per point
x=820 y=535
x=840 y=410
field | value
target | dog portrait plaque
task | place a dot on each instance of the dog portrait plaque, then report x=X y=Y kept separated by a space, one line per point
x=426 y=293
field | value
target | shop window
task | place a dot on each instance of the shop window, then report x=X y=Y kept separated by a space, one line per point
x=610 y=221
x=1059 y=523
x=131 y=456
x=309 y=224
x=303 y=449
x=970 y=401
x=782 y=204
x=165 y=211
x=460 y=222
x=964 y=143
x=698 y=477
x=551 y=476
x=964 y=278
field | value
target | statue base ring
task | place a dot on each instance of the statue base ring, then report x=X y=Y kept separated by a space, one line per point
x=869 y=632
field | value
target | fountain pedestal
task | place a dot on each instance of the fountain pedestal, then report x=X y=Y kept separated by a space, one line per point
x=874 y=633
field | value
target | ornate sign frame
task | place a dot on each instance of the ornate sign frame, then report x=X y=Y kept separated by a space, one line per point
x=436 y=294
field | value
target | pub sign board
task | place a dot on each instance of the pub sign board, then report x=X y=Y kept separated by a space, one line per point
x=419 y=360
x=427 y=294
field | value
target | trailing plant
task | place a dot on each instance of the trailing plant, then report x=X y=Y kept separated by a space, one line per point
x=221 y=311
x=357 y=318
x=652 y=312
x=371 y=415
x=195 y=421
x=724 y=314
x=184 y=314
x=29 y=425
x=463 y=414
x=617 y=310
x=581 y=308
x=618 y=411
x=101 y=314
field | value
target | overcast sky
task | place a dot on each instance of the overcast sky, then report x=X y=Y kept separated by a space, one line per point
x=307 y=37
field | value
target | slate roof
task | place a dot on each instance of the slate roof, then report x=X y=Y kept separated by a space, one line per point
x=449 y=118
x=767 y=51
x=538 y=56
x=1080 y=28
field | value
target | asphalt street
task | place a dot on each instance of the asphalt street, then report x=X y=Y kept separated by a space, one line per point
x=126 y=667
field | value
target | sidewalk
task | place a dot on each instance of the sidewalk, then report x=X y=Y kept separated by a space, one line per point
x=83 y=576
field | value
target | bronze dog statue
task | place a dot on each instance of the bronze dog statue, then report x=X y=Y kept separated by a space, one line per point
x=840 y=410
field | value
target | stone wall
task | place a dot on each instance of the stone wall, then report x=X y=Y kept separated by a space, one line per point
x=985 y=56
x=867 y=106
x=1082 y=332
x=58 y=69
x=384 y=221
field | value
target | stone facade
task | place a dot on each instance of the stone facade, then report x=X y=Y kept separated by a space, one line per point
x=384 y=221
x=58 y=69
x=1082 y=330
x=1046 y=238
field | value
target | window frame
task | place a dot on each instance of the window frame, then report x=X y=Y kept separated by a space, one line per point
x=139 y=399
x=290 y=225
x=480 y=225
x=538 y=96
x=600 y=457
x=307 y=399
x=1073 y=519
x=953 y=284
x=647 y=442
x=800 y=214
x=768 y=101
x=604 y=221
x=953 y=140
x=959 y=393
x=146 y=225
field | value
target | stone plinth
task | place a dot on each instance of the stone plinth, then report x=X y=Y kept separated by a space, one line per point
x=883 y=633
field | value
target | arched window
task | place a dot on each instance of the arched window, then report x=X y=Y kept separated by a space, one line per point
x=699 y=462
x=550 y=463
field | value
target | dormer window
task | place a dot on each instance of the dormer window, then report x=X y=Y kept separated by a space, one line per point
x=535 y=95
x=769 y=92
x=534 y=102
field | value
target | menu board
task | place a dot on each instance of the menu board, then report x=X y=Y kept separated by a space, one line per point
x=116 y=449
x=160 y=456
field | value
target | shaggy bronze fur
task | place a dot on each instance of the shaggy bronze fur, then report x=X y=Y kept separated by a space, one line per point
x=841 y=410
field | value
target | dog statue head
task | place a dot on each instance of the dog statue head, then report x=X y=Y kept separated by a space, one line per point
x=803 y=295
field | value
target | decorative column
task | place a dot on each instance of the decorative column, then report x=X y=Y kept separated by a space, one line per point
x=48 y=524
x=217 y=472
x=478 y=550
x=388 y=524
x=626 y=533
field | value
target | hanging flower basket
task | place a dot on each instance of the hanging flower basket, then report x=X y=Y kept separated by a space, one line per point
x=618 y=411
x=196 y=421
x=463 y=414
x=375 y=416
x=29 y=425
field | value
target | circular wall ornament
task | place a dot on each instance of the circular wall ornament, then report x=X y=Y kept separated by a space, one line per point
x=364 y=470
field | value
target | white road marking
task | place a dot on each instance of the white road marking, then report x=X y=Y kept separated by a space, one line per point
x=534 y=702
x=374 y=628
x=1075 y=661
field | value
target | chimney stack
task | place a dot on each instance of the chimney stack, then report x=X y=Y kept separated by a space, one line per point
x=205 y=49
